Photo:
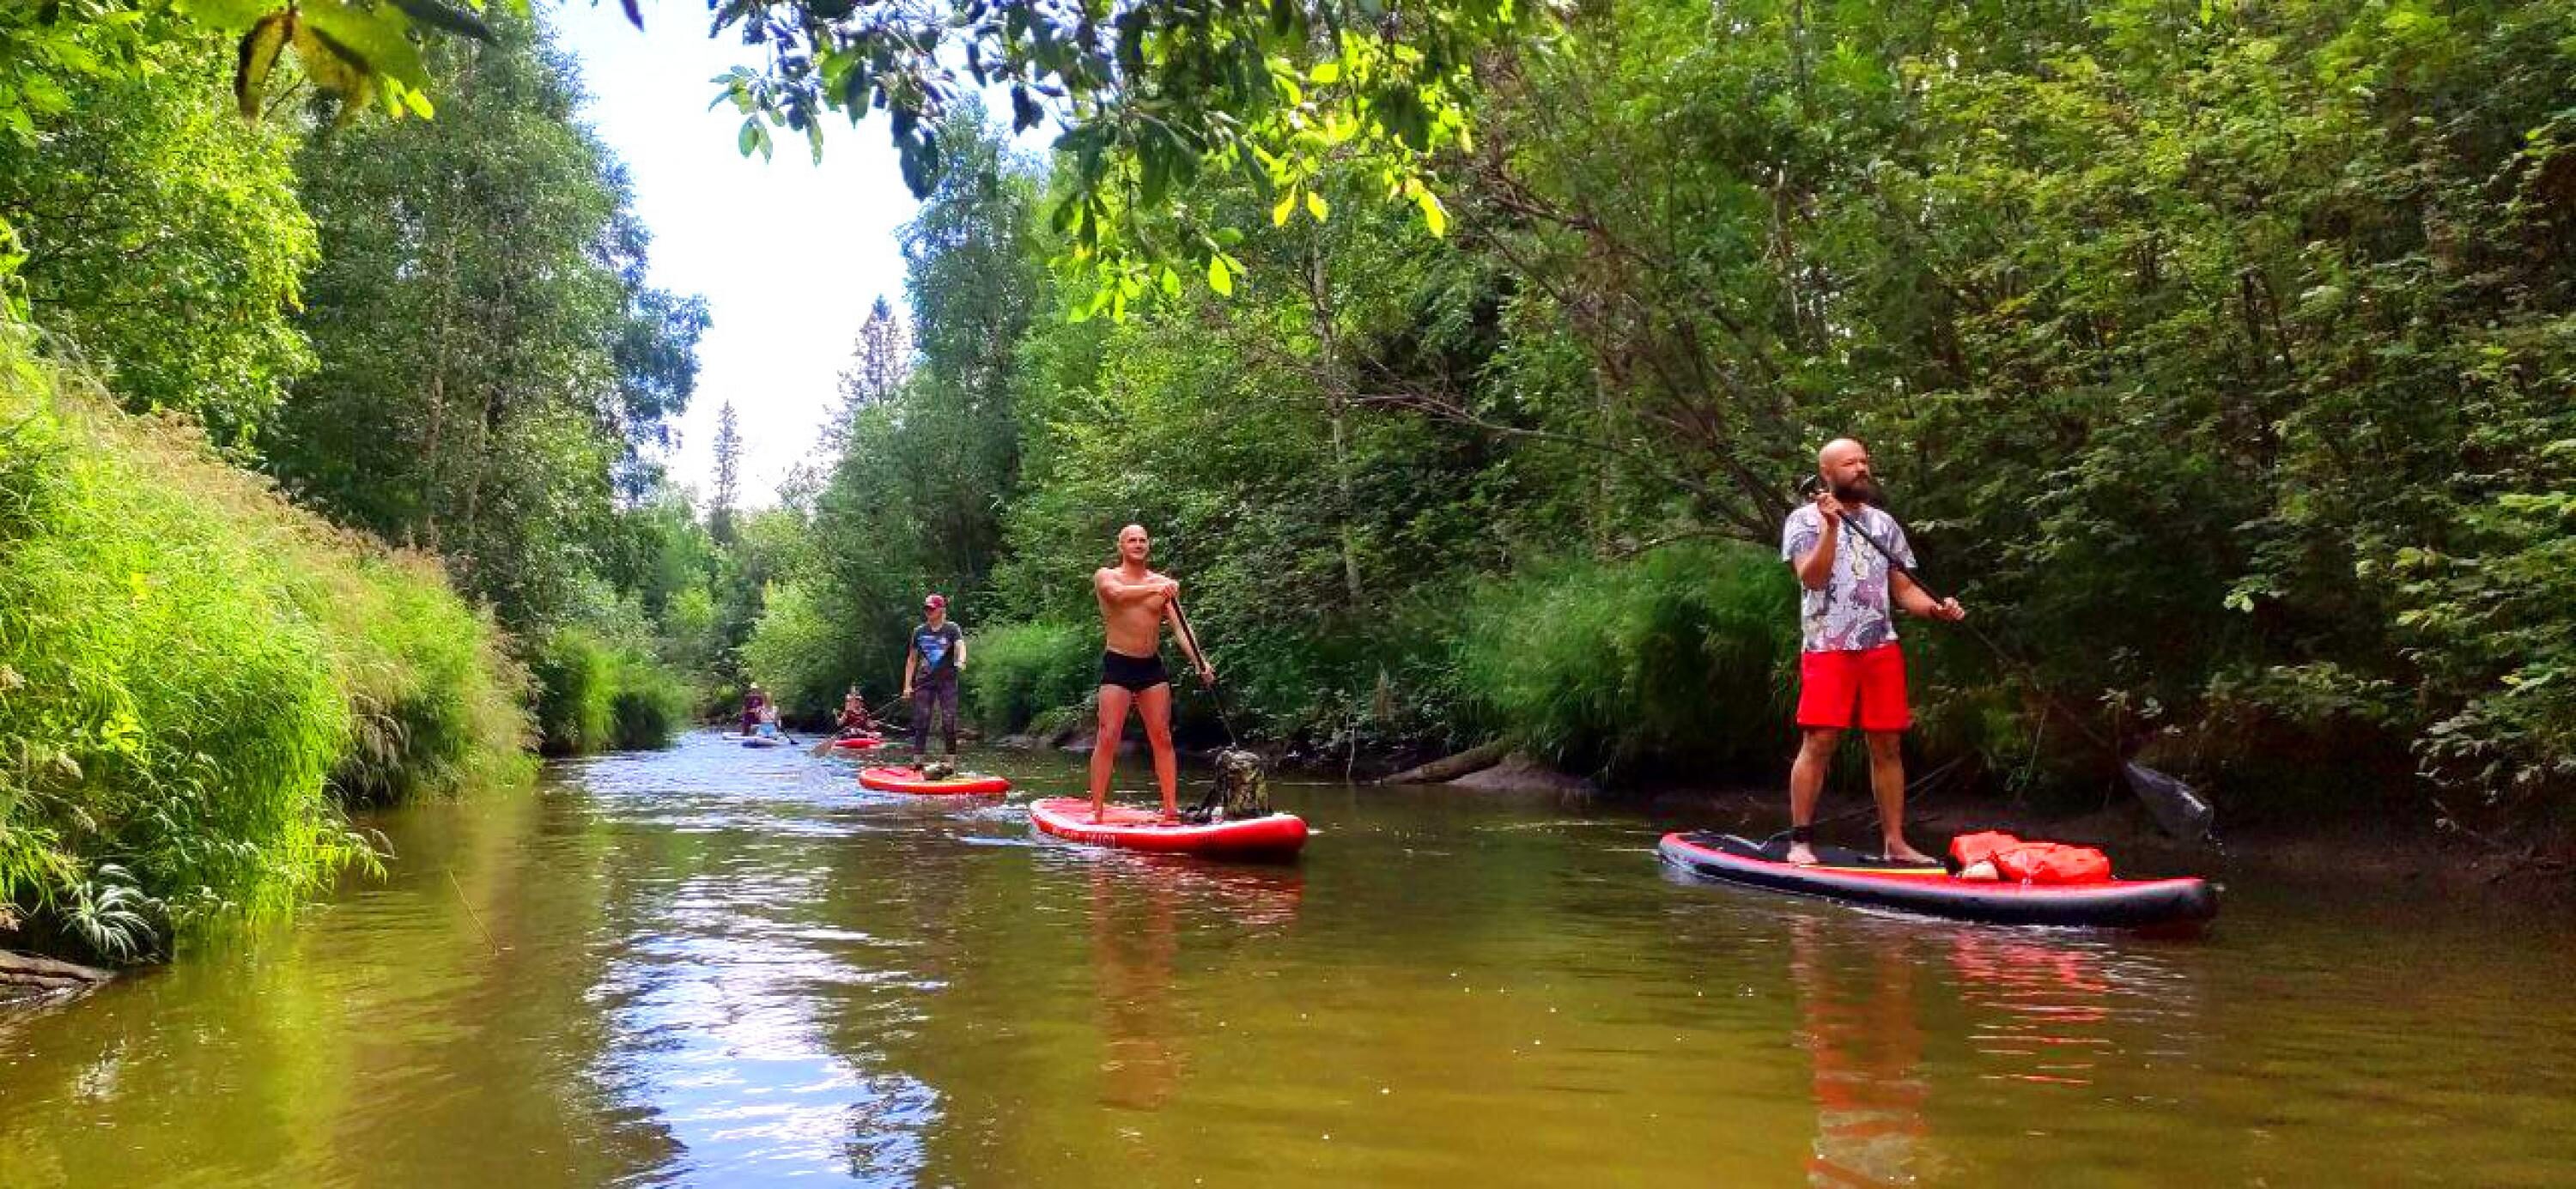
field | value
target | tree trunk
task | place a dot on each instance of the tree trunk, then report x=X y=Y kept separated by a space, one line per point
x=30 y=973
x=1474 y=759
x=1337 y=408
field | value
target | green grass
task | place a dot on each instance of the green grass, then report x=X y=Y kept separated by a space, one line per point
x=193 y=673
x=596 y=695
x=1683 y=659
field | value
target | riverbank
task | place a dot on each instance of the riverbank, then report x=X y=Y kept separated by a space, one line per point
x=196 y=676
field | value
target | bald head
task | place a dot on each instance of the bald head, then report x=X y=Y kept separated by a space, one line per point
x=1844 y=465
x=1134 y=544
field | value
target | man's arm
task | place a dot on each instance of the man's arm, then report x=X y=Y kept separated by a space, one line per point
x=960 y=663
x=1917 y=601
x=1119 y=590
x=911 y=657
x=1815 y=567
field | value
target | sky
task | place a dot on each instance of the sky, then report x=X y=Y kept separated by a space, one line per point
x=788 y=254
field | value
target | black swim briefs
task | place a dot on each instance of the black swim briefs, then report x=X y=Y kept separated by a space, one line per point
x=1134 y=673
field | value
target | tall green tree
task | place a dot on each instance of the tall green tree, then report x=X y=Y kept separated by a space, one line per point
x=163 y=238
x=491 y=356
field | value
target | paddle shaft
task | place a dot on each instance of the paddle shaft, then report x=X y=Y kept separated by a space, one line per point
x=1199 y=655
x=2030 y=672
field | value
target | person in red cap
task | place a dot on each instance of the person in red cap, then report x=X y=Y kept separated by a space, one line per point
x=930 y=672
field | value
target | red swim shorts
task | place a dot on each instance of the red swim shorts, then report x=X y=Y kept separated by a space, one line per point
x=1847 y=689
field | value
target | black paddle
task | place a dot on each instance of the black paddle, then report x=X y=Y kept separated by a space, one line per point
x=2179 y=809
x=1234 y=742
x=1205 y=675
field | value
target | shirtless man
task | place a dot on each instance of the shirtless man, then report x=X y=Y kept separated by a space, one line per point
x=1134 y=603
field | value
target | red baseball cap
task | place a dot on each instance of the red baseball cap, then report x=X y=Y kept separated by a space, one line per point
x=935 y=601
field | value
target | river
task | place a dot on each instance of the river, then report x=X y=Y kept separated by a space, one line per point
x=717 y=966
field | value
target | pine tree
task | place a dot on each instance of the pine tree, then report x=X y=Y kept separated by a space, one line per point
x=728 y=475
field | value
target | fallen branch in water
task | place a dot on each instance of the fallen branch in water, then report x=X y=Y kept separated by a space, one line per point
x=46 y=974
x=1474 y=759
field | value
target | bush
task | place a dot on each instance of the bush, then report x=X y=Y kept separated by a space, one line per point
x=1686 y=657
x=189 y=666
x=797 y=654
x=1024 y=670
x=650 y=705
x=576 y=692
x=594 y=695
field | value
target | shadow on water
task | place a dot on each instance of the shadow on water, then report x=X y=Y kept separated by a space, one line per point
x=719 y=966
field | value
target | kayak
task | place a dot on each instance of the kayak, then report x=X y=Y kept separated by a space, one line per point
x=1861 y=879
x=858 y=744
x=909 y=780
x=1278 y=835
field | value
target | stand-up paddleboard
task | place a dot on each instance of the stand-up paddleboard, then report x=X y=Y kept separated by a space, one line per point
x=1277 y=836
x=910 y=780
x=763 y=741
x=1860 y=879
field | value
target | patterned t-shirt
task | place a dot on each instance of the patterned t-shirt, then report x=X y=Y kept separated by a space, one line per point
x=938 y=649
x=1855 y=610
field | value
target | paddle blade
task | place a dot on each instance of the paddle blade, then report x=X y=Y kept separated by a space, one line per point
x=2179 y=810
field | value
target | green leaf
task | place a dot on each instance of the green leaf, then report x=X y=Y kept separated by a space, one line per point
x=1315 y=206
x=440 y=16
x=375 y=40
x=258 y=55
x=1287 y=205
x=1220 y=278
x=229 y=15
x=1325 y=74
x=1435 y=217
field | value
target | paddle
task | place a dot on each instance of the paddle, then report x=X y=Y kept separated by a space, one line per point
x=1206 y=677
x=1235 y=759
x=2177 y=807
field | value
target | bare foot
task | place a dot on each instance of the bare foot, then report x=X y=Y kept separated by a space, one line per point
x=1900 y=851
x=1801 y=855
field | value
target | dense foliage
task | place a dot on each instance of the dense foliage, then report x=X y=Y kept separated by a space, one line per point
x=439 y=335
x=2217 y=355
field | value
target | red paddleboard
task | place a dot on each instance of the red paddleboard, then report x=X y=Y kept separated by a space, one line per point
x=909 y=780
x=1276 y=836
x=858 y=744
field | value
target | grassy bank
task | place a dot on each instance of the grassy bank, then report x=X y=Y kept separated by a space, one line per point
x=195 y=676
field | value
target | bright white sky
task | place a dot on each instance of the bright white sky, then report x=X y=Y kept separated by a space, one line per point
x=788 y=254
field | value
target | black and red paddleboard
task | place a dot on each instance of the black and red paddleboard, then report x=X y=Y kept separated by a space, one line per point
x=1276 y=836
x=1859 y=879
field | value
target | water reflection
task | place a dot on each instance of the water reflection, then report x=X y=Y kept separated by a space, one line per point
x=1136 y=908
x=1864 y=1049
x=715 y=967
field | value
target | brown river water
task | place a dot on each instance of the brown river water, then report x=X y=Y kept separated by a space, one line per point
x=718 y=966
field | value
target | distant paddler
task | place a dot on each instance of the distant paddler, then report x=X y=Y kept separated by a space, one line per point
x=1135 y=602
x=1850 y=673
x=853 y=721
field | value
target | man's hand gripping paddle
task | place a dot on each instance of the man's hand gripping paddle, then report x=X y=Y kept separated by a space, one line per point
x=2176 y=806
